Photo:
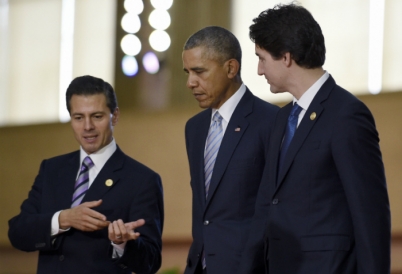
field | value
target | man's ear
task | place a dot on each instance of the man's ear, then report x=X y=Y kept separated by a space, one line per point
x=287 y=59
x=115 y=116
x=233 y=67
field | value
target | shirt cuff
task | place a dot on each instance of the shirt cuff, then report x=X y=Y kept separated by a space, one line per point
x=118 y=250
x=55 y=229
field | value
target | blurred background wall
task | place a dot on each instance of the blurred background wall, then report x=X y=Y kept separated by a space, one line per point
x=44 y=44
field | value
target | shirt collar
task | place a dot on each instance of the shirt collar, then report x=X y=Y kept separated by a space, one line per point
x=306 y=99
x=227 y=109
x=100 y=157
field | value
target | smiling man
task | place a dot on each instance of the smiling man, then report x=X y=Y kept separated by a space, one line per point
x=227 y=146
x=95 y=210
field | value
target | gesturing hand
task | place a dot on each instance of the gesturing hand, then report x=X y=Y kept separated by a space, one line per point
x=120 y=232
x=83 y=217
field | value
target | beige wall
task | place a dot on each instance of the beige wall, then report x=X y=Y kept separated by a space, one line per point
x=157 y=140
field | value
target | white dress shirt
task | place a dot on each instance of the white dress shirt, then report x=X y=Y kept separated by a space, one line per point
x=306 y=99
x=227 y=109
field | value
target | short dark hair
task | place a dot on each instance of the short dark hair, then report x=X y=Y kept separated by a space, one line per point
x=290 y=28
x=89 y=85
x=220 y=44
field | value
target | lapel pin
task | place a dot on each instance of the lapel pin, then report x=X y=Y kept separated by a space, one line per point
x=312 y=116
x=109 y=182
x=237 y=129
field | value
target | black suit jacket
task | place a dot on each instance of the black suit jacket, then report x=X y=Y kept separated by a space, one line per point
x=221 y=223
x=136 y=193
x=328 y=209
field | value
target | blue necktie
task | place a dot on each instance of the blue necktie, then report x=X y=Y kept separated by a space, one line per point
x=290 y=131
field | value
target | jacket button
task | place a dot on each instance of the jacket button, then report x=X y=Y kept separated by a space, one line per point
x=206 y=222
x=275 y=201
x=61 y=258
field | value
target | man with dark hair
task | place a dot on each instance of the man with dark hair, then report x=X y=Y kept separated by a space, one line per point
x=323 y=205
x=95 y=210
x=226 y=146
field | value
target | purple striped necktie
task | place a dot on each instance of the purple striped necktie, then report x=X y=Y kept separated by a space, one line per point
x=82 y=183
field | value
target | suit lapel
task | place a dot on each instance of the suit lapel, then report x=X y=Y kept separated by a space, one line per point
x=276 y=141
x=67 y=177
x=305 y=126
x=200 y=137
x=230 y=140
x=99 y=187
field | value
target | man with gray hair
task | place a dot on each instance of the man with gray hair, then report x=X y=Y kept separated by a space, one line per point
x=227 y=146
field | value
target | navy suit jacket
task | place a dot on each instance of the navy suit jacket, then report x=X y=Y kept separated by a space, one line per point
x=328 y=209
x=221 y=223
x=136 y=193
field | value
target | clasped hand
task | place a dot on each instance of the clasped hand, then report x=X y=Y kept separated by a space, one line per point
x=84 y=218
x=120 y=232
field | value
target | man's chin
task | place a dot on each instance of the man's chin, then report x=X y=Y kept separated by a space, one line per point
x=203 y=105
x=276 y=91
x=90 y=149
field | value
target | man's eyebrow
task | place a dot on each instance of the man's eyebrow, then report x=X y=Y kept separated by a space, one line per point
x=193 y=69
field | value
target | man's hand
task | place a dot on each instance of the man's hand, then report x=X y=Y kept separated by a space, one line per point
x=120 y=232
x=83 y=218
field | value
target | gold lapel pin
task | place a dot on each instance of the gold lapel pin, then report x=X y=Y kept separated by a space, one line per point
x=313 y=116
x=109 y=182
x=237 y=129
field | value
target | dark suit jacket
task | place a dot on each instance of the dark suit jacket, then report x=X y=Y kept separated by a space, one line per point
x=328 y=209
x=221 y=223
x=136 y=193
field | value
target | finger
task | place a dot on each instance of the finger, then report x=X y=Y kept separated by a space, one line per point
x=115 y=235
x=135 y=224
x=93 y=213
x=98 y=216
x=95 y=223
x=122 y=227
x=117 y=232
x=133 y=235
x=125 y=234
x=111 y=232
x=85 y=209
x=92 y=204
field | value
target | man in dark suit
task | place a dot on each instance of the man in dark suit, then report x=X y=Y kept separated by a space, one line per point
x=323 y=205
x=226 y=154
x=95 y=210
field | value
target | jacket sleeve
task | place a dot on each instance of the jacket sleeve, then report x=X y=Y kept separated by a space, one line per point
x=30 y=230
x=358 y=159
x=254 y=255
